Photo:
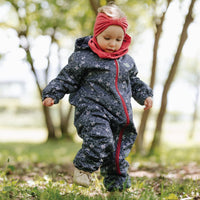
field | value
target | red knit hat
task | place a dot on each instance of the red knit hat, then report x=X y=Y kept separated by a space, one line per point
x=103 y=22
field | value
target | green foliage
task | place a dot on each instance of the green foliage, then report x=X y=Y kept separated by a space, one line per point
x=53 y=16
x=72 y=18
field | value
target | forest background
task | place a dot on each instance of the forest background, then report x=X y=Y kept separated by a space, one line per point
x=37 y=37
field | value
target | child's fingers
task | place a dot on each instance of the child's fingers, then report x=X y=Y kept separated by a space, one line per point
x=51 y=102
x=146 y=107
x=148 y=103
x=48 y=102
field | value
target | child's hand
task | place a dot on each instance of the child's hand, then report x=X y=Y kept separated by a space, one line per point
x=48 y=102
x=148 y=103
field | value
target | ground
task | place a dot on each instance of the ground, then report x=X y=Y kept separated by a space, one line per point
x=44 y=171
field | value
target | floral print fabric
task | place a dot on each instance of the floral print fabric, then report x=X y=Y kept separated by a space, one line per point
x=99 y=111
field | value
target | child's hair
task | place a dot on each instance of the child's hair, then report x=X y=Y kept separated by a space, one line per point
x=111 y=10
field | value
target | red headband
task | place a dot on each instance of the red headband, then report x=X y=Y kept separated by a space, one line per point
x=103 y=21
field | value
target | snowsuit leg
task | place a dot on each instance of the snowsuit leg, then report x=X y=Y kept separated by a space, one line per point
x=98 y=142
x=114 y=178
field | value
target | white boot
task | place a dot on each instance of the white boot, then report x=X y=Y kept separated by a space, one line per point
x=82 y=178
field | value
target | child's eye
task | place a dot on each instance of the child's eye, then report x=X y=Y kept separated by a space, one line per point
x=106 y=38
x=119 y=40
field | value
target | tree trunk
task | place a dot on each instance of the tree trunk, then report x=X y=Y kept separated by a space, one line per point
x=110 y=1
x=49 y=123
x=48 y=120
x=195 y=113
x=158 y=130
x=145 y=115
x=65 y=122
x=95 y=4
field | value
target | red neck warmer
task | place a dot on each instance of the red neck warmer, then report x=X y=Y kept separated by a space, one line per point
x=102 y=22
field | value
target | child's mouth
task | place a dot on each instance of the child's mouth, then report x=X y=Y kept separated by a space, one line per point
x=109 y=50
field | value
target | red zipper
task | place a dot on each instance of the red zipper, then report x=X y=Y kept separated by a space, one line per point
x=127 y=120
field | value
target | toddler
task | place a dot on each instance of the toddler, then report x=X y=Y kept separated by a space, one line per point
x=101 y=78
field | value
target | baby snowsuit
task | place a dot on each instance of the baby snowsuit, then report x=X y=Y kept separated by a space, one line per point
x=101 y=91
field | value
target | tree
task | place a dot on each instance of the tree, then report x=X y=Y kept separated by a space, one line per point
x=196 y=100
x=54 y=19
x=158 y=20
x=192 y=76
x=158 y=130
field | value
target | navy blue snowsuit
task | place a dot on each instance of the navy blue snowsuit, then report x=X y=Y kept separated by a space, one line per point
x=101 y=91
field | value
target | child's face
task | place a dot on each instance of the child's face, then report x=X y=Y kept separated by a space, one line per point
x=110 y=40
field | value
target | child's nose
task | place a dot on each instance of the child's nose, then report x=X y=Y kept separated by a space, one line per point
x=112 y=43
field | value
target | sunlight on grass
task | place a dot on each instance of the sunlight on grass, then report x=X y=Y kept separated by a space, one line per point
x=44 y=171
x=53 y=151
x=149 y=189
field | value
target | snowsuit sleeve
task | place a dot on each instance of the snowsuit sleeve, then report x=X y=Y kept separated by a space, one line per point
x=67 y=81
x=140 y=90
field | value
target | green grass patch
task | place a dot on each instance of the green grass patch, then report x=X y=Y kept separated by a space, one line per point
x=44 y=172
x=58 y=151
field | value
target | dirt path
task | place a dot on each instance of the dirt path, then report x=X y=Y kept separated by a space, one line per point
x=27 y=171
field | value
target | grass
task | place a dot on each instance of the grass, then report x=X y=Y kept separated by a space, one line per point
x=53 y=151
x=44 y=172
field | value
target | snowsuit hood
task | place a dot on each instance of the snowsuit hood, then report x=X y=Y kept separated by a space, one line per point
x=82 y=43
